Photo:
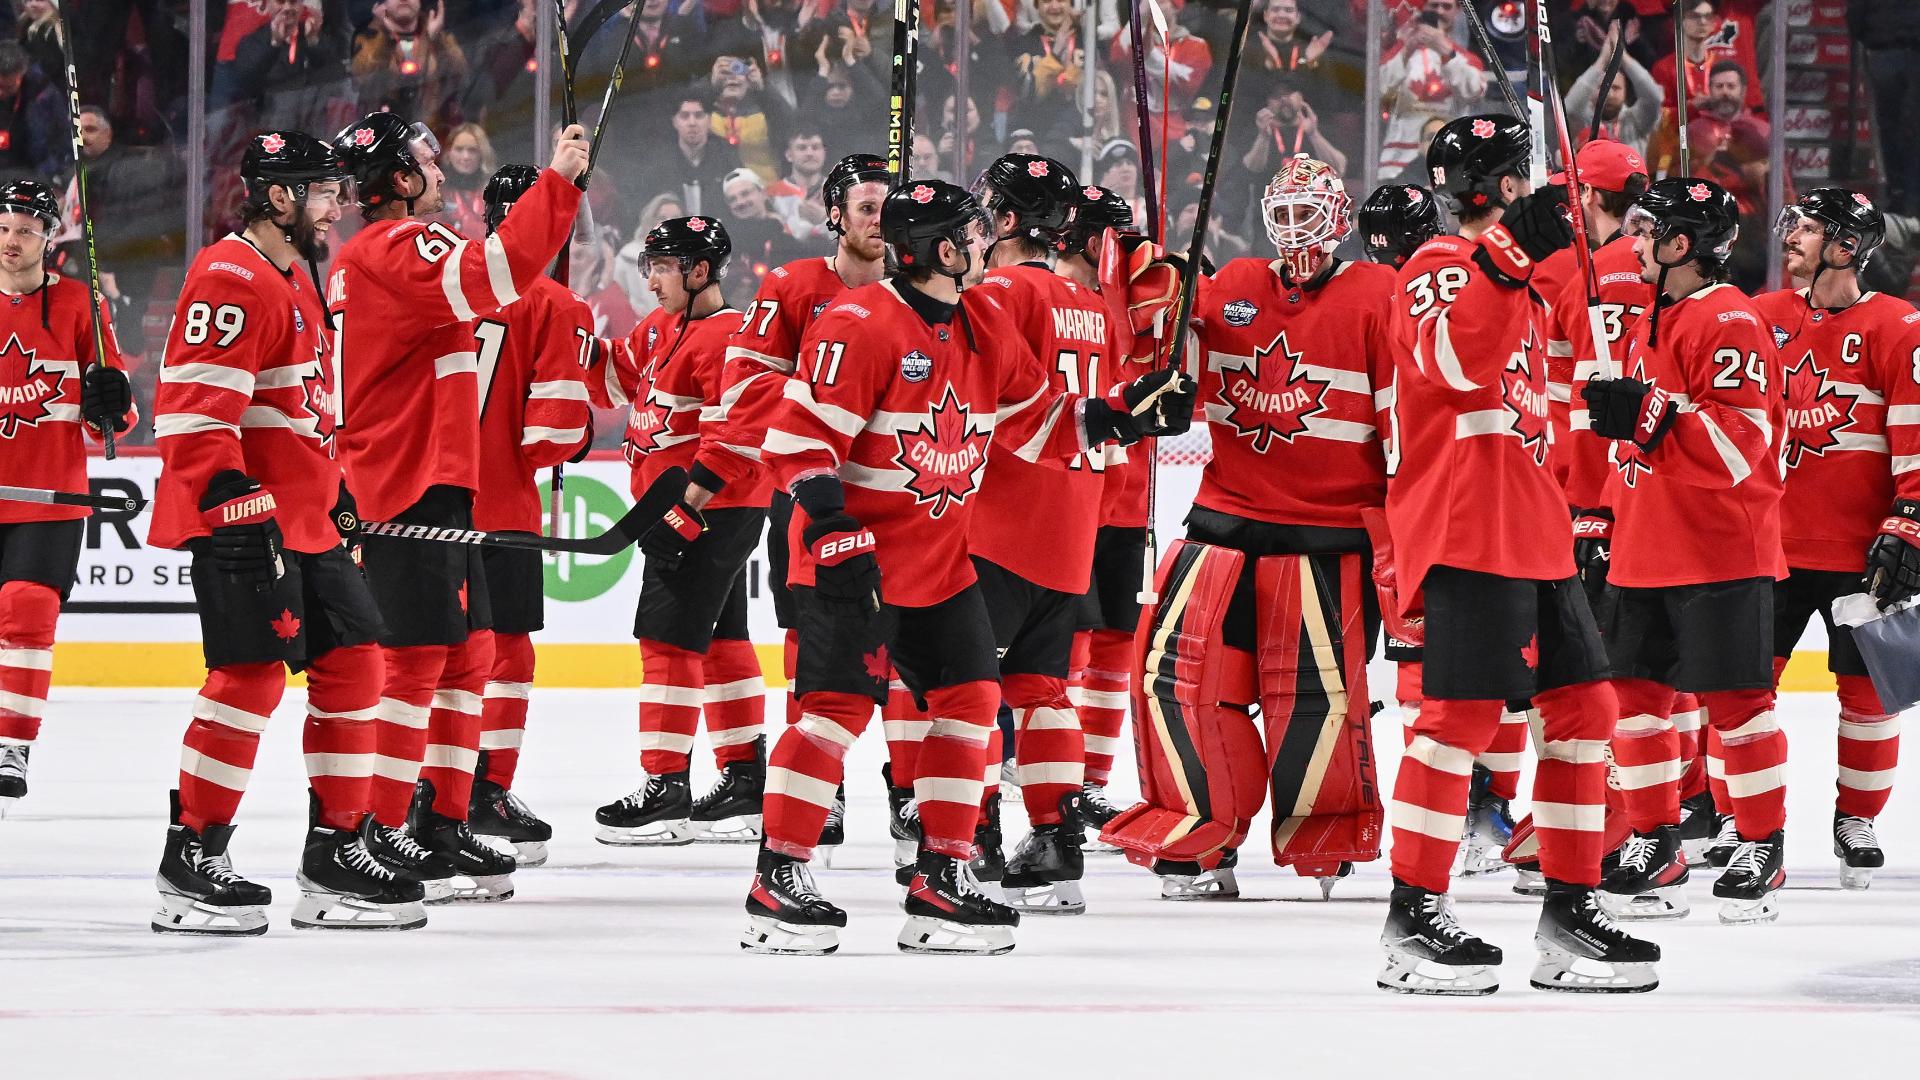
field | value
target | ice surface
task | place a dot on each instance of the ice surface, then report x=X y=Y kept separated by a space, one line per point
x=623 y=963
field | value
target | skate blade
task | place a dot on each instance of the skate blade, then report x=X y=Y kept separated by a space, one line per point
x=332 y=911
x=775 y=938
x=1212 y=885
x=905 y=852
x=1411 y=975
x=1054 y=898
x=939 y=937
x=1737 y=912
x=461 y=889
x=653 y=834
x=744 y=829
x=1856 y=878
x=528 y=853
x=1529 y=882
x=1695 y=851
x=1095 y=846
x=823 y=855
x=1478 y=861
x=1666 y=902
x=1561 y=972
x=185 y=915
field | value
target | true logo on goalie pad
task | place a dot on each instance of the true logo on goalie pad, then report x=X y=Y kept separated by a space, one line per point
x=1239 y=313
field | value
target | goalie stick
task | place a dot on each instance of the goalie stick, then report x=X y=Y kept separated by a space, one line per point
x=660 y=496
x=50 y=497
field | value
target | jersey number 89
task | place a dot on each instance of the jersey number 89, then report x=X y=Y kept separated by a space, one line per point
x=204 y=320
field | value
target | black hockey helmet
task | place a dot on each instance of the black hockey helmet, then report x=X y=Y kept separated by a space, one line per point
x=30 y=197
x=378 y=145
x=846 y=174
x=1689 y=206
x=504 y=188
x=1038 y=191
x=691 y=240
x=920 y=214
x=1095 y=210
x=289 y=159
x=1396 y=219
x=1847 y=216
x=1468 y=157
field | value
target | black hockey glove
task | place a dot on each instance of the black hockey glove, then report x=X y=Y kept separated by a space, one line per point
x=1893 y=559
x=667 y=542
x=1155 y=404
x=246 y=538
x=105 y=397
x=1629 y=409
x=1592 y=545
x=846 y=576
x=1532 y=228
x=346 y=521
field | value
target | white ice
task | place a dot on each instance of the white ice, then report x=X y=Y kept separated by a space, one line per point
x=623 y=963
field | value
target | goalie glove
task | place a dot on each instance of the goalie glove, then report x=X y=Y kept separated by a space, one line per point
x=1148 y=276
x=1629 y=409
x=1893 y=559
x=1409 y=627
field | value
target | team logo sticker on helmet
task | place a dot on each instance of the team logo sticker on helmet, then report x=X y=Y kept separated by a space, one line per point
x=1698 y=193
x=363 y=137
x=1239 y=312
x=272 y=143
x=946 y=455
x=922 y=194
x=916 y=366
x=1483 y=129
x=1036 y=168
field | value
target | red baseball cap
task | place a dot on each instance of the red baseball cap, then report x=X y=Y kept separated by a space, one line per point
x=1605 y=164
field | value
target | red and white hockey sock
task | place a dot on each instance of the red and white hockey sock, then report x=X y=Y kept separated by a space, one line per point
x=503 y=707
x=1104 y=701
x=1755 y=753
x=1430 y=794
x=28 y=610
x=453 y=726
x=905 y=726
x=805 y=768
x=950 y=782
x=1570 y=784
x=790 y=665
x=1690 y=726
x=343 y=697
x=1646 y=754
x=672 y=690
x=1052 y=760
x=1869 y=749
x=1407 y=689
x=1717 y=771
x=400 y=727
x=216 y=756
x=735 y=699
x=1503 y=756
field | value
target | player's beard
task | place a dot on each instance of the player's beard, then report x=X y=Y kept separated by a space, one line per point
x=307 y=240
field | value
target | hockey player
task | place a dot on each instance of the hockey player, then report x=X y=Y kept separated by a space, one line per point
x=51 y=389
x=404 y=295
x=248 y=486
x=1505 y=618
x=1853 y=452
x=1395 y=220
x=882 y=440
x=532 y=357
x=1696 y=548
x=692 y=615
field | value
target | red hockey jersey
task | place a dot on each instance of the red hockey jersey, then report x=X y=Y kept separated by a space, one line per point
x=404 y=296
x=904 y=413
x=1705 y=504
x=42 y=441
x=532 y=359
x=1123 y=495
x=1853 y=422
x=1067 y=327
x=1579 y=456
x=244 y=386
x=1294 y=383
x=1468 y=446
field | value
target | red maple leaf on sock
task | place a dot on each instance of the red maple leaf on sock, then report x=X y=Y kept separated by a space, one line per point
x=286 y=627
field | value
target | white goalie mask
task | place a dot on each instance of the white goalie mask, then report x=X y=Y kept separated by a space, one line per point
x=1307 y=212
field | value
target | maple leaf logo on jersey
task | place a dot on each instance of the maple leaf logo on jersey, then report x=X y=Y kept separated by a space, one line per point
x=1816 y=412
x=1628 y=459
x=1526 y=399
x=946 y=454
x=1268 y=400
x=646 y=422
x=1483 y=129
x=27 y=388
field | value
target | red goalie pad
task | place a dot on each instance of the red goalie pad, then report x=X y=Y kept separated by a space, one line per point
x=1316 y=712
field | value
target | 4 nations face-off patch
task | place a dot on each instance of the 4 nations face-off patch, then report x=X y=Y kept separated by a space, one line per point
x=1239 y=312
x=916 y=366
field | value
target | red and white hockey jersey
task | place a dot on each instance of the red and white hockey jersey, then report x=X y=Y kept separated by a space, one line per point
x=1068 y=329
x=244 y=386
x=42 y=441
x=1469 y=442
x=404 y=296
x=1580 y=458
x=532 y=358
x=1705 y=504
x=1853 y=422
x=904 y=413
x=1295 y=383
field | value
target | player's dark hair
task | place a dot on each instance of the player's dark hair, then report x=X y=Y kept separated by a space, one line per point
x=1615 y=203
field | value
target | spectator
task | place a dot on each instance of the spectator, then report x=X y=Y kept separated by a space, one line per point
x=1048 y=63
x=499 y=92
x=744 y=114
x=666 y=55
x=1726 y=102
x=1890 y=35
x=1580 y=34
x=844 y=102
x=1106 y=118
x=1425 y=75
x=1285 y=127
x=629 y=269
x=467 y=165
x=1117 y=168
x=796 y=196
x=992 y=79
x=857 y=33
x=759 y=240
x=927 y=161
x=1632 y=109
x=693 y=169
x=1277 y=49
x=1221 y=244
x=1023 y=141
x=1709 y=36
x=980 y=147
x=410 y=64
x=33 y=133
x=142 y=77
x=1186 y=60
x=591 y=270
x=1415 y=171
x=39 y=32
x=134 y=195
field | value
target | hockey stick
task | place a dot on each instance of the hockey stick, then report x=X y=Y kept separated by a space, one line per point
x=97 y=298
x=1146 y=124
x=1680 y=86
x=49 y=497
x=906 y=44
x=1606 y=81
x=1582 y=254
x=606 y=100
x=590 y=23
x=562 y=263
x=660 y=496
x=1477 y=31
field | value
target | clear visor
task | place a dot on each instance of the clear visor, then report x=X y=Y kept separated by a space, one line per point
x=15 y=225
x=1639 y=222
x=1302 y=219
x=421 y=143
x=1791 y=220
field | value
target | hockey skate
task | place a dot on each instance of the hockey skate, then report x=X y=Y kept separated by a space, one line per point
x=1726 y=840
x=1096 y=810
x=655 y=815
x=1043 y=876
x=1010 y=780
x=200 y=893
x=1697 y=824
x=495 y=813
x=786 y=913
x=1429 y=953
x=13 y=772
x=1328 y=881
x=834 y=832
x=989 y=861
x=903 y=822
x=481 y=875
x=947 y=913
x=1583 y=951
x=397 y=851
x=729 y=813
x=1187 y=881
x=1749 y=889
x=343 y=887
x=1648 y=883
x=1858 y=850
x=1489 y=828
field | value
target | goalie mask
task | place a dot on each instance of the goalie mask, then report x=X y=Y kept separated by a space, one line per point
x=1305 y=209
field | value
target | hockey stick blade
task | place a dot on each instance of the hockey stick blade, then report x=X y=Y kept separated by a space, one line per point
x=653 y=504
x=49 y=497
